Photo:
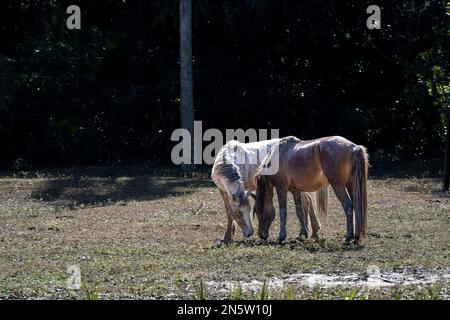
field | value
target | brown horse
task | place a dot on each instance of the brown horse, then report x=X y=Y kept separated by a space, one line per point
x=307 y=166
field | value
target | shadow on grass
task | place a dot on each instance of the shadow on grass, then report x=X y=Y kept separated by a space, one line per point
x=93 y=188
x=318 y=245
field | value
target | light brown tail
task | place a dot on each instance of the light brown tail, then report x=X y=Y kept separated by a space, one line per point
x=322 y=203
x=359 y=178
x=310 y=211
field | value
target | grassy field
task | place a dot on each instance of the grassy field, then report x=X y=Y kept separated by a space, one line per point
x=138 y=234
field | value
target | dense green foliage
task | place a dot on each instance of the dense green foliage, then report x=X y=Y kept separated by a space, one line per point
x=311 y=68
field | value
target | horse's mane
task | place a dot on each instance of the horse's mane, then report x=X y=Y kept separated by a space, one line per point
x=265 y=163
x=260 y=193
x=228 y=171
x=225 y=166
x=260 y=180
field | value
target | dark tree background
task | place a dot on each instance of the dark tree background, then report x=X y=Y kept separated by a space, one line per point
x=311 y=68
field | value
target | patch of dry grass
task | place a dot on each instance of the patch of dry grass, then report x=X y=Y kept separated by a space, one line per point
x=153 y=235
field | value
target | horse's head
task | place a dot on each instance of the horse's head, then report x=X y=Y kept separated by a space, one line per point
x=264 y=209
x=240 y=211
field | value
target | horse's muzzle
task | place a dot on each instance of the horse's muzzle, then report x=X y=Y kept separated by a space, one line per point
x=248 y=234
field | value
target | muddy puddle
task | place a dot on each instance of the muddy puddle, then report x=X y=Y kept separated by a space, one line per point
x=373 y=278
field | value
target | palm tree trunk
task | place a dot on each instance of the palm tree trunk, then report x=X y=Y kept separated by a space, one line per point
x=447 y=154
x=447 y=109
x=186 y=81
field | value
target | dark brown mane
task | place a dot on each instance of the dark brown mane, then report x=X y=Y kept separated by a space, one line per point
x=260 y=194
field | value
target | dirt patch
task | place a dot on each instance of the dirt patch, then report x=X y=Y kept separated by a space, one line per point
x=407 y=277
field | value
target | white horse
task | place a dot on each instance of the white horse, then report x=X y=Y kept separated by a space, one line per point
x=233 y=173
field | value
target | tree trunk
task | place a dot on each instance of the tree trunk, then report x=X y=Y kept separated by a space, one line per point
x=447 y=156
x=446 y=110
x=186 y=81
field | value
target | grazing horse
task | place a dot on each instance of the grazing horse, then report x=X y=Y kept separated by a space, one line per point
x=307 y=166
x=233 y=173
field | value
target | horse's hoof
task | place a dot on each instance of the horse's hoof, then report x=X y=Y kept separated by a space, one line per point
x=223 y=242
x=349 y=240
x=281 y=239
x=352 y=243
x=263 y=238
x=301 y=237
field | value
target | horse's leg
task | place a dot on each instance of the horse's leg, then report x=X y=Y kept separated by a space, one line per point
x=347 y=204
x=230 y=224
x=282 y=201
x=301 y=215
x=229 y=233
x=311 y=212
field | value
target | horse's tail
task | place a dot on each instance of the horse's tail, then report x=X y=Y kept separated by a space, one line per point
x=359 y=179
x=309 y=209
x=322 y=203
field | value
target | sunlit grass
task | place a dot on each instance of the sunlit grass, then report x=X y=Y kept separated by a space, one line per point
x=143 y=237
